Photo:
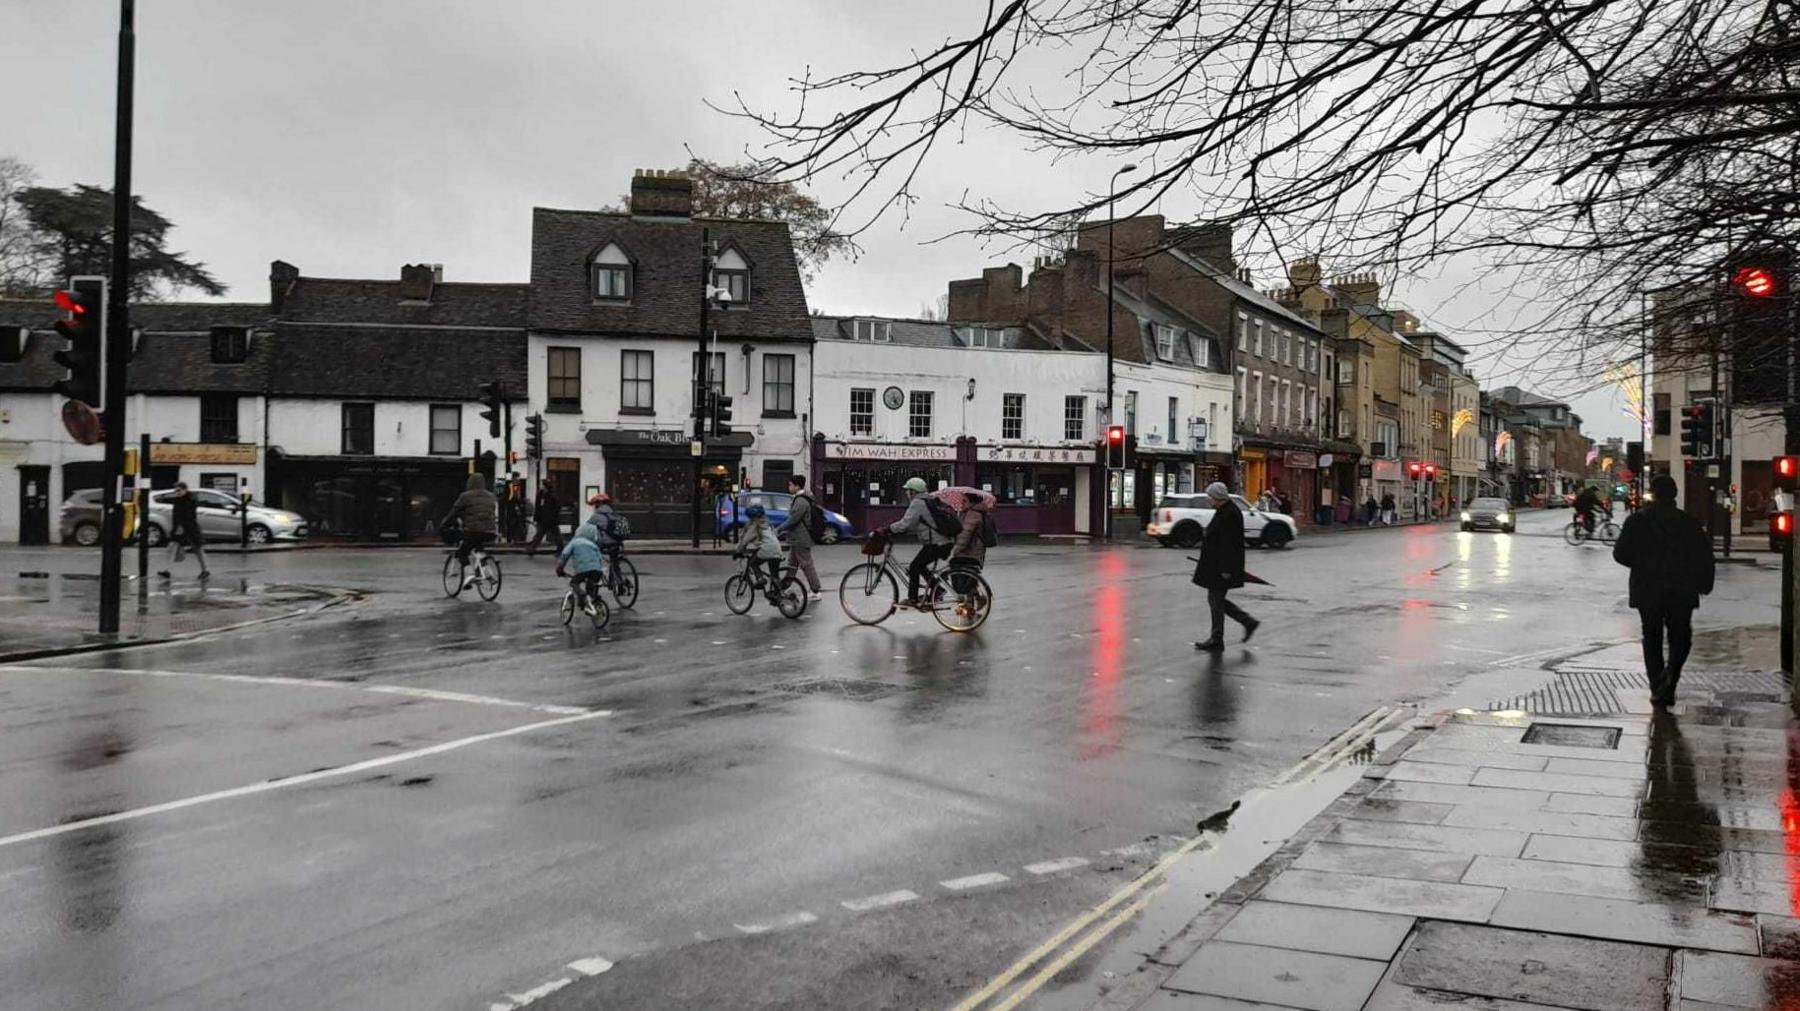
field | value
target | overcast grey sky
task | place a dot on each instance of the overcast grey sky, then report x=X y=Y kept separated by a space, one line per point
x=351 y=137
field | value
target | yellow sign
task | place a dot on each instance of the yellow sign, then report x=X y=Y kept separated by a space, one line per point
x=203 y=452
x=131 y=467
x=130 y=509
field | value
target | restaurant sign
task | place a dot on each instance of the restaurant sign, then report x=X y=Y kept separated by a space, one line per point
x=888 y=451
x=1036 y=454
x=1300 y=460
x=240 y=453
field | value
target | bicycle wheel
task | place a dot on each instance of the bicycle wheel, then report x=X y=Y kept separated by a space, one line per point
x=739 y=594
x=869 y=593
x=597 y=611
x=790 y=599
x=625 y=583
x=568 y=607
x=1575 y=533
x=1609 y=532
x=487 y=578
x=453 y=575
x=964 y=606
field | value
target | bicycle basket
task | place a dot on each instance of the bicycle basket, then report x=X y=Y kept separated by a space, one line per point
x=877 y=543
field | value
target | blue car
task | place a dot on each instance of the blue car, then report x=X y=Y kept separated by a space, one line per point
x=776 y=504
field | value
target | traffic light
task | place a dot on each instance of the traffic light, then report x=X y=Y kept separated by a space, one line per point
x=1431 y=472
x=491 y=402
x=83 y=331
x=1115 y=446
x=1781 y=525
x=721 y=415
x=1695 y=430
x=534 y=436
x=1787 y=473
x=1707 y=430
x=1757 y=280
x=1415 y=469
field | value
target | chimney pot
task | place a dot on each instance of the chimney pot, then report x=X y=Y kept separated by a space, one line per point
x=655 y=193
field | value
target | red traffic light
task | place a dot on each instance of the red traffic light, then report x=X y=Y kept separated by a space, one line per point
x=1787 y=467
x=1782 y=524
x=1413 y=469
x=1754 y=280
x=1115 y=435
x=70 y=302
x=1431 y=470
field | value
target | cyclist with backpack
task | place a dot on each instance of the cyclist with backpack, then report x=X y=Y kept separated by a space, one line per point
x=937 y=528
x=804 y=527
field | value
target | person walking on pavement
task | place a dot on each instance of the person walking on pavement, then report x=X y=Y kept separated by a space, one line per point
x=1221 y=567
x=1371 y=511
x=1388 y=513
x=1670 y=557
x=184 y=533
x=936 y=544
x=798 y=530
x=549 y=521
x=478 y=512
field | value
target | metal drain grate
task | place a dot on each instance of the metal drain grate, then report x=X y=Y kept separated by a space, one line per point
x=849 y=688
x=1568 y=735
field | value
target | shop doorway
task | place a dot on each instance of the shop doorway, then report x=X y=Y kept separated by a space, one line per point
x=34 y=505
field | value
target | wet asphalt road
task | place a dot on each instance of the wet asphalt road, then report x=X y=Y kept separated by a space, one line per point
x=419 y=803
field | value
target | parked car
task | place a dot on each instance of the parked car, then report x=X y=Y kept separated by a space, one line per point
x=731 y=517
x=80 y=518
x=1180 y=521
x=224 y=518
x=1489 y=514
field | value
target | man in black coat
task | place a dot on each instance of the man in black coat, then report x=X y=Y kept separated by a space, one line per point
x=1221 y=567
x=1670 y=557
x=548 y=512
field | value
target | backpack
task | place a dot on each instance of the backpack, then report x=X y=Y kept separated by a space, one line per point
x=815 y=518
x=619 y=527
x=990 y=536
x=942 y=519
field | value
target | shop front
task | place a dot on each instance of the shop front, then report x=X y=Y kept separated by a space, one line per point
x=1386 y=475
x=865 y=481
x=1039 y=490
x=367 y=497
x=650 y=475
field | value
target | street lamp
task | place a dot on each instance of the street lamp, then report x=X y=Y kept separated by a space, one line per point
x=1111 y=195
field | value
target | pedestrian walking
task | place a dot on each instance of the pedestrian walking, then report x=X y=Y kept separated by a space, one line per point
x=1388 y=511
x=802 y=516
x=1371 y=511
x=1221 y=567
x=184 y=530
x=1670 y=557
x=549 y=521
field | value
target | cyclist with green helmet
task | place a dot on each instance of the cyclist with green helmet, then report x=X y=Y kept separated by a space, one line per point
x=936 y=548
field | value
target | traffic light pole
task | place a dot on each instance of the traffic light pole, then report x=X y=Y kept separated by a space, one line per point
x=702 y=370
x=118 y=343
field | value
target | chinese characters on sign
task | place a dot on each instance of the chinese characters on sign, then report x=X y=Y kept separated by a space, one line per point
x=1023 y=454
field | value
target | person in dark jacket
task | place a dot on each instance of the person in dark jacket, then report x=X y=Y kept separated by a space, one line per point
x=479 y=513
x=549 y=520
x=1670 y=557
x=1221 y=567
x=799 y=534
x=184 y=530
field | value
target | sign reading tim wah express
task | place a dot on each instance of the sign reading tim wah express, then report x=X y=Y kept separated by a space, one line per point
x=242 y=453
x=1036 y=454
x=888 y=451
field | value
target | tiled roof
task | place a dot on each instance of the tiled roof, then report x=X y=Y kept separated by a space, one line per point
x=1244 y=291
x=666 y=283
x=336 y=300
x=395 y=363
x=175 y=355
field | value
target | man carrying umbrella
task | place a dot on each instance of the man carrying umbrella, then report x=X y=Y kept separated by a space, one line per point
x=1221 y=567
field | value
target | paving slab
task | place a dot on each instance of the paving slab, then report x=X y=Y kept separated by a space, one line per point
x=1747 y=813
x=1620 y=920
x=1583 y=879
x=1449 y=793
x=1589 y=767
x=1346 y=932
x=1173 y=1000
x=1392 y=996
x=1383 y=861
x=1440 y=838
x=1739 y=980
x=1417 y=812
x=1575 y=803
x=1296 y=979
x=1384 y=895
x=1752 y=896
x=1615 y=853
x=1447 y=755
x=1586 y=826
x=1780 y=936
x=1535 y=967
x=1558 y=783
x=1714 y=837
x=1426 y=772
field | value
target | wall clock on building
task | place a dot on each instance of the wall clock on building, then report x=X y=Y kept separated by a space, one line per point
x=893 y=398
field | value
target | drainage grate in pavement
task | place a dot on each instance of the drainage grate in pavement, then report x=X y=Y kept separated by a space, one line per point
x=850 y=688
x=1569 y=735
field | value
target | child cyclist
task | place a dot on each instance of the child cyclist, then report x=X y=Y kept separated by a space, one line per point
x=760 y=544
x=582 y=553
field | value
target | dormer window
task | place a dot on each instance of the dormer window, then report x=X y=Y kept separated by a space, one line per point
x=732 y=273
x=611 y=275
x=1165 y=342
x=230 y=345
x=877 y=331
x=983 y=337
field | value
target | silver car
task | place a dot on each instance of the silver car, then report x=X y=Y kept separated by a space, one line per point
x=1489 y=514
x=223 y=518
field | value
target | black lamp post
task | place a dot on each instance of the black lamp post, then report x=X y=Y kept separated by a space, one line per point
x=1111 y=195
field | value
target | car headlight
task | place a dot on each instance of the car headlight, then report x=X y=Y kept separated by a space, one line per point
x=1466 y=517
x=1506 y=517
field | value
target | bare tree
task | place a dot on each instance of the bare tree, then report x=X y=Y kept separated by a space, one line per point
x=23 y=267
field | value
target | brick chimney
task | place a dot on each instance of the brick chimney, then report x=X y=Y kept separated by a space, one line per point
x=282 y=276
x=1211 y=241
x=416 y=280
x=1304 y=273
x=1361 y=289
x=662 y=194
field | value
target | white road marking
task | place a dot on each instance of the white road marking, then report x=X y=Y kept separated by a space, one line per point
x=800 y=919
x=960 y=884
x=1475 y=649
x=879 y=901
x=1057 y=866
x=590 y=966
x=290 y=682
x=519 y=1000
x=1135 y=849
x=269 y=785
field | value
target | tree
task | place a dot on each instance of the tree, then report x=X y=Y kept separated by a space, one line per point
x=22 y=267
x=73 y=235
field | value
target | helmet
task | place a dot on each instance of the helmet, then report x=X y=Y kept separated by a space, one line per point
x=755 y=512
x=915 y=484
x=599 y=498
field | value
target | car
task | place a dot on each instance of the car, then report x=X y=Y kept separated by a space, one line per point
x=1489 y=514
x=79 y=520
x=730 y=516
x=1180 y=521
x=225 y=518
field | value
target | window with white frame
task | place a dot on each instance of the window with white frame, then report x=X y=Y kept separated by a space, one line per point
x=1256 y=411
x=862 y=412
x=637 y=382
x=1238 y=403
x=446 y=429
x=1201 y=348
x=1074 y=418
x=1275 y=401
x=1256 y=337
x=1243 y=332
x=876 y=331
x=612 y=275
x=1287 y=403
x=1165 y=342
x=1174 y=435
x=919 y=414
x=778 y=386
x=732 y=273
x=1131 y=413
x=1012 y=416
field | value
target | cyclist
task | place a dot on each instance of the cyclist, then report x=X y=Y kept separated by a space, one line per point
x=479 y=513
x=1586 y=502
x=937 y=545
x=969 y=551
x=602 y=522
x=762 y=546
x=583 y=552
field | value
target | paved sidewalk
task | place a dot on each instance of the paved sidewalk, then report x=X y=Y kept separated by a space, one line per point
x=1593 y=855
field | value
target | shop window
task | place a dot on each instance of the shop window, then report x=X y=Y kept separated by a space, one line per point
x=637 y=382
x=218 y=417
x=446 y=429
x=862 y=412
x=564 y=372
x=1012 y=416
x=919 y=415
x=358 y=429
x=778 y=386
x=1074 y=418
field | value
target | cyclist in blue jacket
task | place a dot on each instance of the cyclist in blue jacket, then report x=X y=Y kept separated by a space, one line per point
x=583 y=554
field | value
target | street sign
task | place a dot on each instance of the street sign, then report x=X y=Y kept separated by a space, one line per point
x=696 y=448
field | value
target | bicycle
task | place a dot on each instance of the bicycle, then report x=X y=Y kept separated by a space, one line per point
x=960 y=599
x=592 y=604
x=789 y=596
x=487 y=574
x=621 y=578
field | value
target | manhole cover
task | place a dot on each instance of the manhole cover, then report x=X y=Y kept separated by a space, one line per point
x=849 y=688
x=1570 y=735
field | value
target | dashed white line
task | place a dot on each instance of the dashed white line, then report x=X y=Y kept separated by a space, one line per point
x=292 y=682
x=519 y=1000
x=1057 y=866
x=974 y=881
x=879 y=901
x=590 y=966
x=799 y=919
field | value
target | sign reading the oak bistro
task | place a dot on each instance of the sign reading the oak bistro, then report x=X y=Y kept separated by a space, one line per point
x=1036 y=454
x=888 y=451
